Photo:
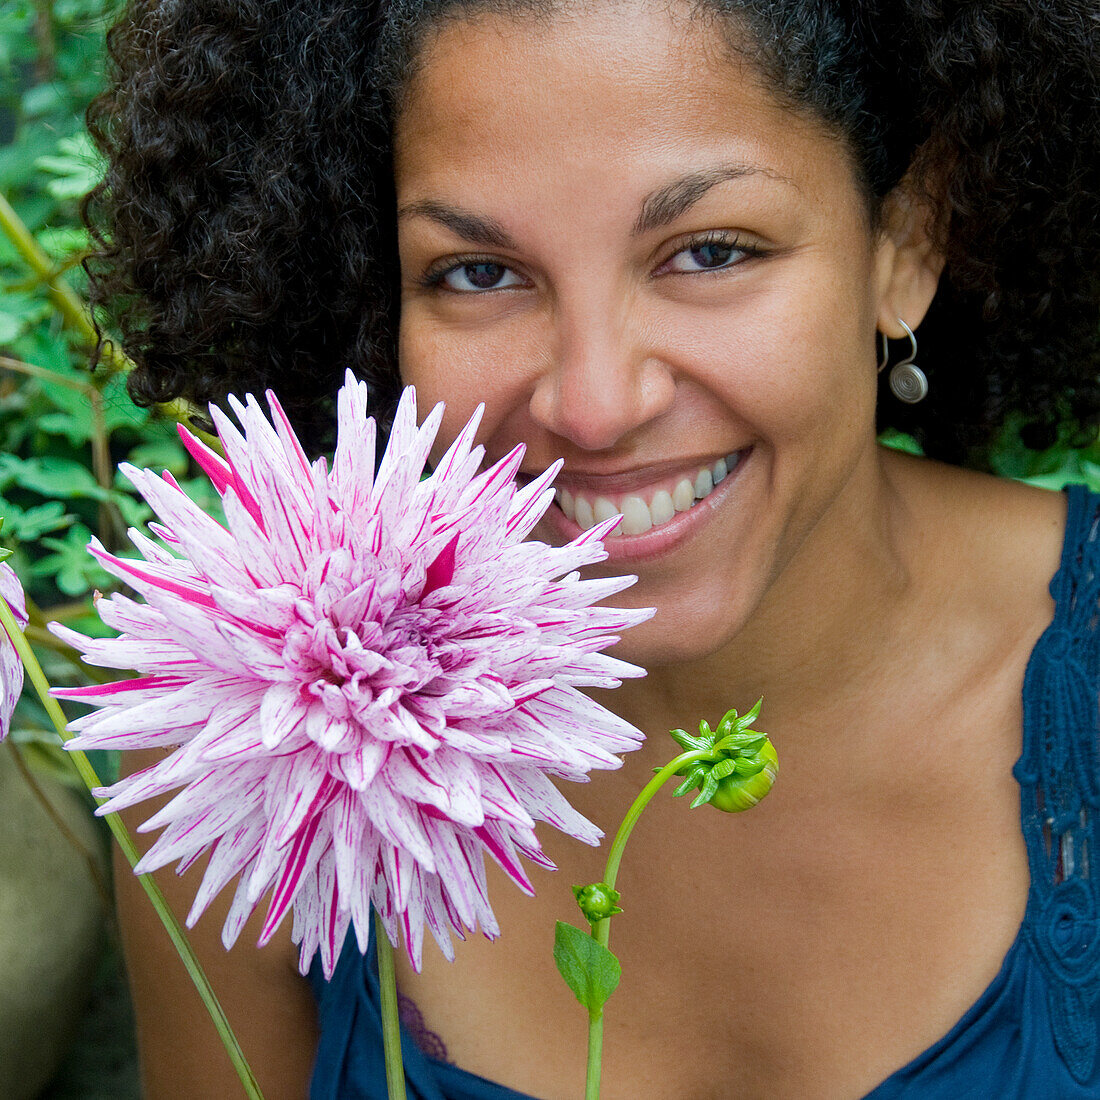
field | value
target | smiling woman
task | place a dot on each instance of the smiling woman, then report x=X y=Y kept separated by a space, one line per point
x=667 y=243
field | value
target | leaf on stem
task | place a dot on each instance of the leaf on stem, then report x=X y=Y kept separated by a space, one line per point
x=589 y=968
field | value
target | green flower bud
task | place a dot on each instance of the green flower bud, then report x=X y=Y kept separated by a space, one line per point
x=741 y=791
x=597 y=901
x=740 y=767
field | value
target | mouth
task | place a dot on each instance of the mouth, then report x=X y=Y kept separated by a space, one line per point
x=659 y=513
x=655 y=505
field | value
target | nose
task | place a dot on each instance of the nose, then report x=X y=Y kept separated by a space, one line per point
x=606 y=378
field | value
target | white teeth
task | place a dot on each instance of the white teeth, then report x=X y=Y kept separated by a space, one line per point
x=636 y=517
x=661 y=508
x=683 y=496
x=603 y=509
x=703 y=484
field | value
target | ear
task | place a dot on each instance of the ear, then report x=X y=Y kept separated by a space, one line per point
x=909 y=258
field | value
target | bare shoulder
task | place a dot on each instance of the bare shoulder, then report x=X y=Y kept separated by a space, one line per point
x=988 y=546
x=268 y=1003
x=1003 y=526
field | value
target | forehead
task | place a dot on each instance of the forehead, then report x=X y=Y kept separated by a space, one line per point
x=612 y=90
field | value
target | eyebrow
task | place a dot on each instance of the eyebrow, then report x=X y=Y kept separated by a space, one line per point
x=665 y=205
x=471 y=227
x=659 y=208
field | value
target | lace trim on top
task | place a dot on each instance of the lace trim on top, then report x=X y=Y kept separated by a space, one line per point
x=412 y=1020
x=1059 y=777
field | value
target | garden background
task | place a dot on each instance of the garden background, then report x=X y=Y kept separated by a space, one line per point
x=62 y=433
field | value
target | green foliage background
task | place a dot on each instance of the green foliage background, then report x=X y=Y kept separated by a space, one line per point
x=63 y=431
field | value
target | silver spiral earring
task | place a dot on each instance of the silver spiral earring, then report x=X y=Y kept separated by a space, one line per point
x=908 y=382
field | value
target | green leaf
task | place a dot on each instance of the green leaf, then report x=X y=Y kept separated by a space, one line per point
x=74 y=570
x=589 y=968
x=26 y=525
x=52 y=476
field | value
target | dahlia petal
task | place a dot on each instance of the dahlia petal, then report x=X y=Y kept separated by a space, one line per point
x=455 y=874
x=435 y=916
x=206 y=543
x=256 y=551
x=239 y=912
x=412 y=922
x=333 y=922
x=11 y=667
x=399 y=867
x=261 y=656
x=348 y=831
x=454 y=467
x=353 y=461
x=394 y=818
x=234 y=850
x=291 y=447
x=546 y=803
x=198 y=830
x=182 y=706
x=500 y=800
x=305 y=851
x=366 y=679
x=361 y=764
x=133 y=692
x=298 y=788
x=281 y=713
x=499 y=845
x=445 y=780
x=204 y=795
x=530 y=503
x=209 y=461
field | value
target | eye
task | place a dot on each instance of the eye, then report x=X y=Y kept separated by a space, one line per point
x=710 y=253
x=476 y=276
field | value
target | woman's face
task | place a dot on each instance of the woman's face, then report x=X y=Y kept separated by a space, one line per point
x=612 y=235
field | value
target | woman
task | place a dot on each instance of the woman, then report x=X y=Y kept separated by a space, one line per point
x=668 y=242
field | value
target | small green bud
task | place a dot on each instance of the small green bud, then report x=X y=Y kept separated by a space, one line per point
x=741 y=766
x=597 y=901
x=739 y=791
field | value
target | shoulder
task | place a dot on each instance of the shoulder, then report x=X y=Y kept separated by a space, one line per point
x=1004 y=525
x=986 y=547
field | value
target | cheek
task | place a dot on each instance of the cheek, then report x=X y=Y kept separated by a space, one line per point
x=787 y=360
x=465 y=365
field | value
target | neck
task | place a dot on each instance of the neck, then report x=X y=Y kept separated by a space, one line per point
x=822 y=633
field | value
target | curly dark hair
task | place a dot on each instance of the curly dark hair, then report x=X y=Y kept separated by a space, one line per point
x=245 y=229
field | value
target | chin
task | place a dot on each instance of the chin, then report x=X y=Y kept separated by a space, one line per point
x=676 y=635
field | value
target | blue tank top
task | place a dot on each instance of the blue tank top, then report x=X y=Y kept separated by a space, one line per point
x=1032 y=1034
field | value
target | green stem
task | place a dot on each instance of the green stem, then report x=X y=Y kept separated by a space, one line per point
x=601 y=930
x=73 y=313
x=391 y=1022
x=62 y=296
x=126 y=843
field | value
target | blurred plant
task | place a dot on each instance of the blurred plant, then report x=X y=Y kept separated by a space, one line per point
x=63 y=431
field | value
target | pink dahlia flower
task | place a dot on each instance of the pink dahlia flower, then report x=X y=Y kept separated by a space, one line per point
x=368 y=680
x=11 y=667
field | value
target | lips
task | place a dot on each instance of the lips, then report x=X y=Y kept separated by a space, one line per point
x=650 y=506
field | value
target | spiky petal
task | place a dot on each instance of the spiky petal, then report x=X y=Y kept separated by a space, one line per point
x=11 y=667
x=367 y=679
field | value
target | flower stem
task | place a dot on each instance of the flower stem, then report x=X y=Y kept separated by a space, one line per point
x=391 y=1022
x=126 y=843
x=601 y=930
